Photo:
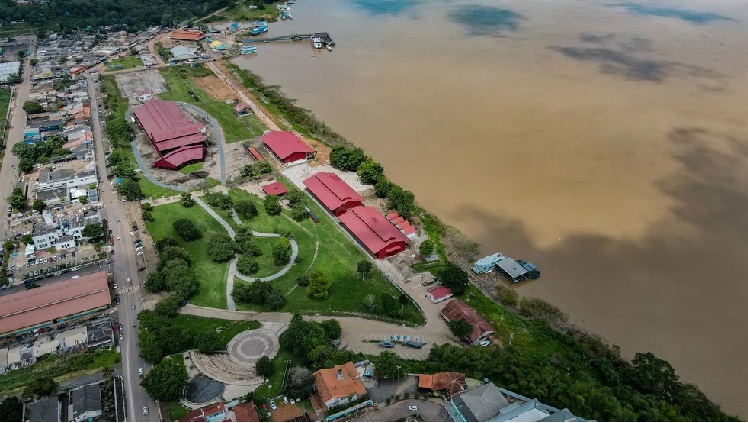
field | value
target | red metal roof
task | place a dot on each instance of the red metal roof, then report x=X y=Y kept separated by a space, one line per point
x=440 y=292
x=392 y=216
x=177 y=158
x=186 y=35
x=164 y=121
x=332 y=191
x=372 y=229
x=240 y=107
x=275 y=188
x=256 y=154
x=285 y=143
x=397 y=220
x=246 y=412
x=200 y=414
x=459 y=310
x=40 y=305
x=408 y=229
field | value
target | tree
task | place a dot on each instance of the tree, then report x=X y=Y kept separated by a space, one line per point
x=219 y=200
x=130 y=189
x=299 y=383
x=166 y=242
x=93 y=230
x=319 y=285
x=168 y=307
x=27 y=239
x=281 y=251
x=370 y=302
x=426 y=248
x=166 y=381
x=186 y=229
x=40 y=385
x=208 y=342
x=402 y=201
x=39 y=205
x=390 y=306
x=332 y=328
x=275 y=300
x=149 y=347
x=32 y=107
x=26 y=165
x=348 y=159
x=302 y=280
x=243 y=243
x=11 y=410
x=460 y=328
x=654 y=375
x=173 y=252
x=272 y=205
x=454 y=278
x=389 y=366
x=83 y=199
x=17 y=200
x=382 y=187
x=264 y=367
x=370 y=172
x=363 y=267
x=187 y=200
x=220 y=248
x=245 y=209
x=247 y=266
x=33 y=62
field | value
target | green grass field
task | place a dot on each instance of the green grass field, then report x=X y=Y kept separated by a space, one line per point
x=4 y=102
x=194 y=167
x=240 y=12
x=336 y=257
x=212 y=276
x=59 y=367
x=127 y=62
x=180 y=81
x=227 y=329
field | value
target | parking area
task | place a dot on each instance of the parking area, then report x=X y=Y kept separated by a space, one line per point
x=386 y=389
x=408 y=410
x=45 y=262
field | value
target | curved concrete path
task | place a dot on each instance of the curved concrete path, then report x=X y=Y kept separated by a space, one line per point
x=230 y=304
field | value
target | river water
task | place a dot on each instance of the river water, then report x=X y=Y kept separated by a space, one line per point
x=604 y=142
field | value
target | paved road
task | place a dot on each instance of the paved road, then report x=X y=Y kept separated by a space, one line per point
x=9 y=170
x=428 y=411
x=124 y=267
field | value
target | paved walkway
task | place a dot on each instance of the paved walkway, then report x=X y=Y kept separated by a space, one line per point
x=230 y=304
x=255 y=108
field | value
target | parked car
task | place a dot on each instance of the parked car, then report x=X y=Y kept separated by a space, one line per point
x=484 y=342
x=132 y=306
x=412 y=408
x=145 y=411
x=121 y=336
x=140 y=372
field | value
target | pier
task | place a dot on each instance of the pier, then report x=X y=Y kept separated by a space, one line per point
x=324 y=36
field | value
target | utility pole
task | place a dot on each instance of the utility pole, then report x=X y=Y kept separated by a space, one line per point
x=398 y=374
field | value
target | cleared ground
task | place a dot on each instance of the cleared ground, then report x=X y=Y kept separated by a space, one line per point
x=131 y=83
x=215 y=88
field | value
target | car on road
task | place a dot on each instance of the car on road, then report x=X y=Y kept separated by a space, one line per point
x=120 y=327
x=140 y=372
x=412 y=408
x=145 y=411
x=115 y=285
x=117 y=238
x=121 y=336
x=118 y=219
x=132 y=306
x=129 y=281
x=140 y=253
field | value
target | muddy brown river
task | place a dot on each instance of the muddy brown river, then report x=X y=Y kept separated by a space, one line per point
x=604 y=142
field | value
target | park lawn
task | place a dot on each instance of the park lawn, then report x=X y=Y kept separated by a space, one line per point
x=179 y=81
x=151 y=190
x=227 y=329
x=254 y=125
x=212 y=276
x=127 y=62
x=337 y=257
x=176 y=411
x=59 y=367
x=194 y=167
x=265 y=261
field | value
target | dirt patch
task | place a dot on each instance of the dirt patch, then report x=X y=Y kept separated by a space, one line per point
x=323 y=152
x=131 y=83
x=215 y=88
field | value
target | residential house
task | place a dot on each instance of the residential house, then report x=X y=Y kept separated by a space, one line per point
x=246 y=412
x=49 y=178
x=460 y=310
x=338 y=385
x=447 y=383
x=210 y=413
x=47 y=409
x=439 y=294
x=85 y=403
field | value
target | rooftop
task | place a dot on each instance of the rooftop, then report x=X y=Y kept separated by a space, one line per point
x=275 y=188
x=246 y=412
x=164 y=120
x=29 y=308
x=85 y=399
x=338 y=382
x=285 y=143
x=460 y=310
x=371 y=228
x=332 y=191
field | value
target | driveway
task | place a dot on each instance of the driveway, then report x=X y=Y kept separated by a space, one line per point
x=427 y=410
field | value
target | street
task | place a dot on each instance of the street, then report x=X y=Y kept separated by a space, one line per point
x=9 y=170
x=125 y=266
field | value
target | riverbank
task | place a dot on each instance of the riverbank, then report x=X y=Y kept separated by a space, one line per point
x=541 y=330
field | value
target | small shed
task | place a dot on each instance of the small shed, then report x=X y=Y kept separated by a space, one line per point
x=242 y=109
x=512 y=270
x=275 y=188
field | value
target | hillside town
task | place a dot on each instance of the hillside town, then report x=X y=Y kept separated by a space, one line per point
x=179 y=247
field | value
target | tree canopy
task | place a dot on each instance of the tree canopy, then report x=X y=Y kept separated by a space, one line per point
x=259 y=293
x=426 y=247
x=272 y=205
x=281 y=251
x=460 y=328
x=370 y=172
x=245 y=209
x=186 y=229
x=264 y=366
x=130 y=189
x=347 y=159
x=220 y=248
x=246 y=265
x=11 y=410
x=32 y=107
x=319 y=285
x=166 y=380
x=454 y=278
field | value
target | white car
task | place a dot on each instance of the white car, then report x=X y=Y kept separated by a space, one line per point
x=412 y=408
x=145 y=411
x=118 y=238
x=484 y=343
x=140 y=372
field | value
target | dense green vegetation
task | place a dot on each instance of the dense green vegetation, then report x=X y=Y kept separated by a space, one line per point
x=241 y=12
x=182 y=87
x=166 y=380
x=324 y=247
x=67 y=15
x=4 y=103
x=58 y=367
x=161 y=335
x=38 y=153
x=211 y=276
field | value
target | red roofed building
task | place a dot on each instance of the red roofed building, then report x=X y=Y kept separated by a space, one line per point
x=210 y=413
x=186 y=35
x=376 y=233
x=333 y=192
x=275 y=188
x=286 y=146
x=459 y=310
x=54 y=303
x=438 y=294
x=246 y=412
x=449 y=382
x=177 y=140
x=337 y=385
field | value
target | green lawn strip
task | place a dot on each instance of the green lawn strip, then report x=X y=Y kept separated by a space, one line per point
x=4 y=102
x=212 y=276
x=256 y=127
x=265 y=261
x=127 y=62
x=194 y=167
x=337 y=257
x=240 y=12
x=176 y=411
x=226 y=329
x=180 y=82
x=59 y=367
x=114 y=101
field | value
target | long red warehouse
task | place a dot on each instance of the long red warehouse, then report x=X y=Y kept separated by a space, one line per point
x=333 y=192
x=374 y=231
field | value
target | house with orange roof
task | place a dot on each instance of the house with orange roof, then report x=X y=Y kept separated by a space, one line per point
x=338 y=385
x=448 y=383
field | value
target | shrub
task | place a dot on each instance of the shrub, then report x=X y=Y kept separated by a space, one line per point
x=507 y=296
x=220 y=248
x=246 y=266
x=186 y=229
x=272 y=205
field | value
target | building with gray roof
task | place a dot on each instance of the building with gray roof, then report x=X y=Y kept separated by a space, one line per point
x=8 y=70
x=85 y=403
x=46 y=409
